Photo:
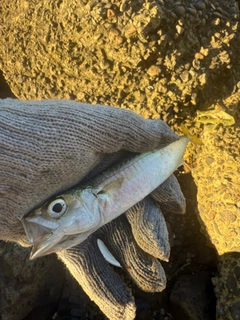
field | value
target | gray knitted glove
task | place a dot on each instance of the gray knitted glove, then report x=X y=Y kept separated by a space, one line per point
x=49 y=146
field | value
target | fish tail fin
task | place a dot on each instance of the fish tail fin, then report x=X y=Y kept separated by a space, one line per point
x=193 y=138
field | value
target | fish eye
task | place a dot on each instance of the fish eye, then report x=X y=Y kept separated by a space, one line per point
x=57 y=208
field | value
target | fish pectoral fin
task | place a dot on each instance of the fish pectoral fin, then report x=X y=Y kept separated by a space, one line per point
x=107 y=254
x=113 y=184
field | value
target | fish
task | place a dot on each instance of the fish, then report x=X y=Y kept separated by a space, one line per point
x=70 y=218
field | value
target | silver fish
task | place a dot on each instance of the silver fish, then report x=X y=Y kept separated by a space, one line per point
x=71 y=217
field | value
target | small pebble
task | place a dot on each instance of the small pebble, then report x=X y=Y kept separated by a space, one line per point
x=232 y=10
x=204 y=51
x=153 y=71
x=179 y=29
x=204 y=41
x=185 y=76
x=192 y=11
x=104 y=65
x=200 y=5
x=203 y=79
x=162 y=88
x=180 y=11
x=215 y=22
x=217 y=14
x=199 y=56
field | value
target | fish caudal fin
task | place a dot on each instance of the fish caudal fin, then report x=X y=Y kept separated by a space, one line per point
x=193 y=138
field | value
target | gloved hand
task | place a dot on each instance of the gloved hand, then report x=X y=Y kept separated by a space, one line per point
x=47 y=147
x=136 y=243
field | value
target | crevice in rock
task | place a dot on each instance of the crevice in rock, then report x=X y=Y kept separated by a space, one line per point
x=5 y=91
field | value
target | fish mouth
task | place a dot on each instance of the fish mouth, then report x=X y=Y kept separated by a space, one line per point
x=48 y=239
x=57 y=243
x=41 y=236
x=43 y=246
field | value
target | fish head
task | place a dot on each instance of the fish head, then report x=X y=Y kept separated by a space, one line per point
x=63 y=222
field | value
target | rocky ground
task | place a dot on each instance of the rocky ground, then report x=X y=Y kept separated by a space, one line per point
x=174 y=60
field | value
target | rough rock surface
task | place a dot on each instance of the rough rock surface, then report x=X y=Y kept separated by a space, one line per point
x=217 y=175
x=161 y=59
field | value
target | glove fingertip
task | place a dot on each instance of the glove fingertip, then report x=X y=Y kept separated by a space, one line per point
x=149 y=229
x=170 y=197
x=99 y=281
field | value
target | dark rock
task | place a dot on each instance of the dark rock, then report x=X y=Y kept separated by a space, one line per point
x=200 y=5
x=192 y=297
x=73 y=302
x=235 y=311
x=227 y=287
x=179 y=11
x=143 y=309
